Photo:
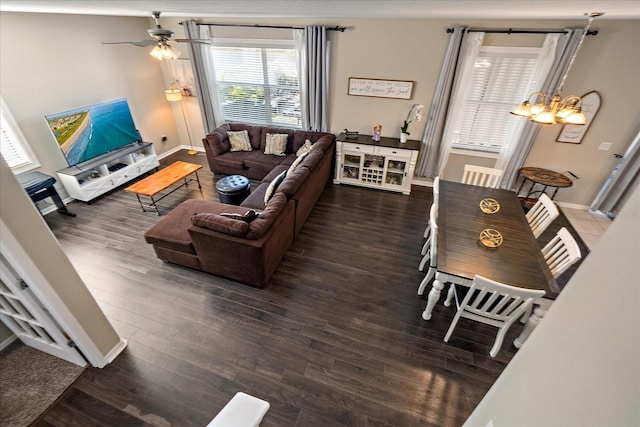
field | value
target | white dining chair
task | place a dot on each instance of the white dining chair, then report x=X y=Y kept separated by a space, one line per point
x=495 y=304
x=432 y=253
x=542 y=214
x=561 y=252
x=481 y=176
x=427 y=230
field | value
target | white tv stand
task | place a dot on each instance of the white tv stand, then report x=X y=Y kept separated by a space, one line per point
x=88 y=180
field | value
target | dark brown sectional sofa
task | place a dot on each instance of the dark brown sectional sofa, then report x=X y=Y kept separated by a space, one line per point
x=195 y=235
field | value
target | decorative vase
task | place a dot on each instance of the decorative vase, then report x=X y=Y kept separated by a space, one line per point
x=403 y=137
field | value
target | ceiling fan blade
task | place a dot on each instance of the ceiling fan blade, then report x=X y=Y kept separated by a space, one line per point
x=141 y=43
x=203 y=41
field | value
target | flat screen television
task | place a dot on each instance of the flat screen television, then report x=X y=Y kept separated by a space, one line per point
x=88 y=132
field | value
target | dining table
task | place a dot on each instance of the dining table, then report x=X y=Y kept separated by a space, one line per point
x=517 y=261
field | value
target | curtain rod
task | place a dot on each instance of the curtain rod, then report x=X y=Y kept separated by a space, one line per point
x=512 y=31
x=282 y=27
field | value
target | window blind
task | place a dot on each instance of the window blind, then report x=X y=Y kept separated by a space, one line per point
x=500 y=80
x=12 y=144
x=258 y=85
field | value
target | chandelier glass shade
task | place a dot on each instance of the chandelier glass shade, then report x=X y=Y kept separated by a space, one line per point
x=550 y=109
x=163 y=51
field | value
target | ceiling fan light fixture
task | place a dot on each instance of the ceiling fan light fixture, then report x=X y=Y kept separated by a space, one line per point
x=163 y=51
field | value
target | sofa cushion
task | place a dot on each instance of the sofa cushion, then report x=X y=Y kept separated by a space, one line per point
x=322 y=144
x=274 y=173
x=295 y=164
x=262 y=162
x=271 y=189
x=255 y=133
x=305 y=148
x=171 y=230
x=239 y=140
x=260 y=225
x=222 y=224
x=256 y=198
x=313 y=159
x=267 y=130
x=276 y=144
x=293 y=182
x=233 y=159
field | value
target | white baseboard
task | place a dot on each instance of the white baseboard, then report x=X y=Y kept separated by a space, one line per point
x=422 y=181
x=178 y=148
x=115 y=351
x=4 y=344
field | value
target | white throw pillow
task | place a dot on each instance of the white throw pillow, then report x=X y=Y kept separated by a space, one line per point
x=305 y=148
x=295 y=163
x=271 y=190
x=276 y=144
x=239 y=141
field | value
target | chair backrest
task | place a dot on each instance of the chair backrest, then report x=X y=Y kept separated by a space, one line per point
x=495 y=303
x=481 y=176
x=436 y=189
x=561 y=252
x=433 y=223
x=542 y=214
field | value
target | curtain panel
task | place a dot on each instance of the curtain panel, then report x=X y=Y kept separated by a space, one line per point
x=434 y=125
x=203 y=81
x=312 y=47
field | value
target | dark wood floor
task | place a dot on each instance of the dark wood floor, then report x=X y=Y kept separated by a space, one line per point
x=335 y=339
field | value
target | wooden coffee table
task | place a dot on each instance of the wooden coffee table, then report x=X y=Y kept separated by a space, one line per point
x=163 y=179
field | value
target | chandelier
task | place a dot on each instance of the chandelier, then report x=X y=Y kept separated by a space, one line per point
x=546 y=109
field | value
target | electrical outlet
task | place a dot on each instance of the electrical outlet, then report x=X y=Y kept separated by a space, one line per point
x=605 y=146
x=164 y=138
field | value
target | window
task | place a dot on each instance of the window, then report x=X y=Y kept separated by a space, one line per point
x=257 y=82
x=13 y=145
x=501 y=78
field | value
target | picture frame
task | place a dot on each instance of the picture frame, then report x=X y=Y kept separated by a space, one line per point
x=573 y=134
x=379 y=88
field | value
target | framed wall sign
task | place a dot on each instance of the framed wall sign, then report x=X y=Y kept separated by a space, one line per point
x=573 y=134
x=399 y=89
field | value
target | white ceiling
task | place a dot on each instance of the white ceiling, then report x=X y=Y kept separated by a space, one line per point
x=460 y=9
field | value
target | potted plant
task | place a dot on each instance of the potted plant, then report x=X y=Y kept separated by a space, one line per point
x=416 y=109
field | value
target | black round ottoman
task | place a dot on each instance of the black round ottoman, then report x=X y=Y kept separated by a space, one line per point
x=233 y=189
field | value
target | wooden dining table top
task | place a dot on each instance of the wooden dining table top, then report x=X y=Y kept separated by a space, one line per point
x=518 y=261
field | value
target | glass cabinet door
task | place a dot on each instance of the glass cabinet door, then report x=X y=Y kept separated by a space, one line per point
x=395 y=173
x=351 y=166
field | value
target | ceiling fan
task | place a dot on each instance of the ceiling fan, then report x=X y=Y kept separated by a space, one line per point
x=160 y=37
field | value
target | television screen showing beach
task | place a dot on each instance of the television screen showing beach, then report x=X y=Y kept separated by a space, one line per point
x=88 y=132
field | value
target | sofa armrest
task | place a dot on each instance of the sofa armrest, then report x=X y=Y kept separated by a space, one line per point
x=217 y=142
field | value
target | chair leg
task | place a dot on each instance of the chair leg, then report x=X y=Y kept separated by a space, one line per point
x=499 y=338
x=426 y=245
x=450 y=292
x=427 y=230
x=454 y=322
x=424 y=260
x=426 y=280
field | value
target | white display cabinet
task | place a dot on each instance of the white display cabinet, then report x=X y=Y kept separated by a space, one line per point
x=386 y=164
x=88 y=180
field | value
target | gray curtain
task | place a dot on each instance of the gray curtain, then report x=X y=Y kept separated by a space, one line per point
x=623 y=179
x=565 y=52
x=314 y=78
x=202 y=87
x=435 y=123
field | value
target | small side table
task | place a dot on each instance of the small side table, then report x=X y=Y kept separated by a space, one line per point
x=545 y=177
x=40 y=186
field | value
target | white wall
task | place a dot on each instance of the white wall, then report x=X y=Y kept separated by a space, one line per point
x=53 y=63
x=581 y=366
